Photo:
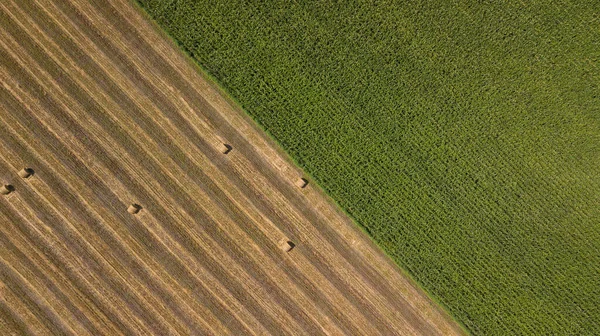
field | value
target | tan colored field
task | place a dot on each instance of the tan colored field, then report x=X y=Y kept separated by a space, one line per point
x=108 y=112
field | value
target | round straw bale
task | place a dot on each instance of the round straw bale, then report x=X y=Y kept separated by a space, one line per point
x=286 y=245
x=134 y=208
x=6 y=189
x=26 y=172
x=225 y=148
x=302 y=182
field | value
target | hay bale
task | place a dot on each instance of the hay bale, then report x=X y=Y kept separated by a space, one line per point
x=6 y=189
x=286 y=245
x=26 y=172
x=302 y=182
x=225 y=148
x=134 y=208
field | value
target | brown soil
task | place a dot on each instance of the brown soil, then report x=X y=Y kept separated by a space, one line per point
x=108 y=113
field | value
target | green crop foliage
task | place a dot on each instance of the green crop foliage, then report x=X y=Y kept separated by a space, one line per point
x=463 y=136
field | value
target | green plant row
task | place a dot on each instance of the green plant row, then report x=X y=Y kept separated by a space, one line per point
x=464 y=137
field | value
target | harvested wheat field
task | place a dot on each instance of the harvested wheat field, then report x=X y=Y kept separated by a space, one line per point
x=140 y=200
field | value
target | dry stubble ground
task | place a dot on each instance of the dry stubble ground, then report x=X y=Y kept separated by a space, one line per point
x=108 y=112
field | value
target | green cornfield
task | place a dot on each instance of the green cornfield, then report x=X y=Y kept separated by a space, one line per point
x=462 y=136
